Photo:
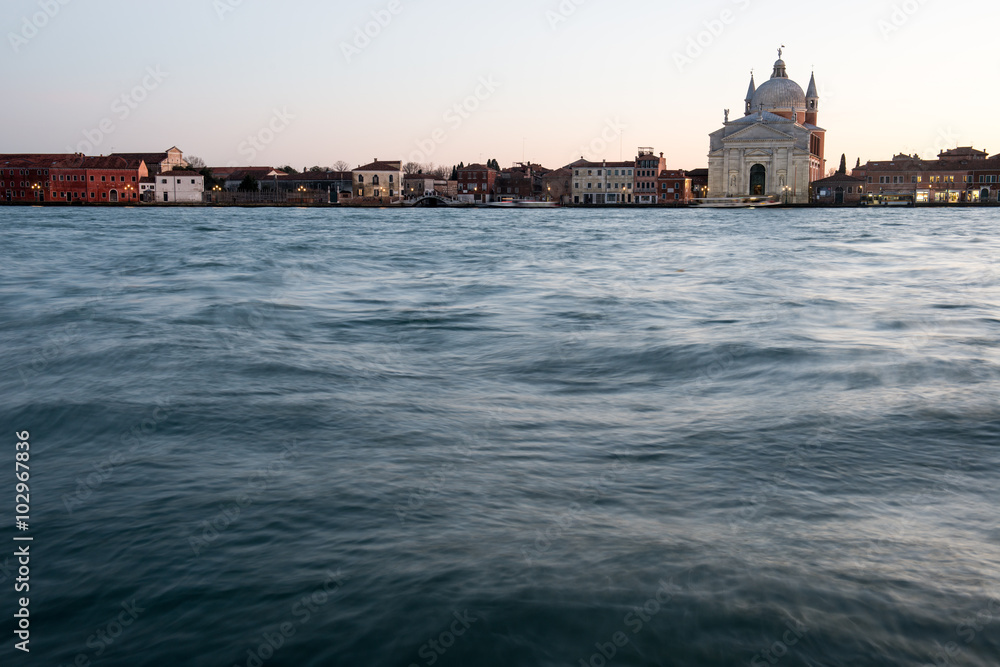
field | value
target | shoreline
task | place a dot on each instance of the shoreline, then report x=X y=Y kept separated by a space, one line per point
x=582 y=207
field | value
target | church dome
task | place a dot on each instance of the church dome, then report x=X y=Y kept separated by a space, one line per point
x=779 y=93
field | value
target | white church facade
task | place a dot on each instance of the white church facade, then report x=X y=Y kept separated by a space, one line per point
x=776 y=149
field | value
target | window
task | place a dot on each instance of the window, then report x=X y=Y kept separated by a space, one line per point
x=598 y=172
x=163 y=180
x=590 y=185
x=576 y=173
x=850 y=189
x=375 y=180
x=103 y=179
x=361 y=179
x=869 y=179
x=133 y=179
x=192 y=182
x=677 y=186
x=92 y=194
x=576 y=186
x=91 y=179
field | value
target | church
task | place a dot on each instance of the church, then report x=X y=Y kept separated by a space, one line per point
x=776 y=149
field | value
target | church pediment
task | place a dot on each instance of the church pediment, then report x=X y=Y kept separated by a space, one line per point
x=758 y=152
x=759 y=132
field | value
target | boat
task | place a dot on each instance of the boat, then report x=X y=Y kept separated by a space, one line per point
x=522 y=203
x=736 y=202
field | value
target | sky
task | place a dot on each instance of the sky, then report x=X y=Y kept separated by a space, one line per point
x=310 y=82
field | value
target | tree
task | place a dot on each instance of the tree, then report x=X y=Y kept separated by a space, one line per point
x=288 y=169
x=196 y=163
x=316 y=168
x=858 y=165
x=843 y=164
x=454 y=174
x=210 y=181
x=831 y=172
x=249 y=184
x=340 y=165
x=411 y=168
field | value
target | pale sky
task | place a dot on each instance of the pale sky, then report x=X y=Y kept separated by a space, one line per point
x=545 y=80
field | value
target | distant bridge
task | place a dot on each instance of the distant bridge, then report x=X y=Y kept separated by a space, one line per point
x=434 y=200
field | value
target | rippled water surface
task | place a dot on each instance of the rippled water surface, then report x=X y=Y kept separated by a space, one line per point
x=498 y=438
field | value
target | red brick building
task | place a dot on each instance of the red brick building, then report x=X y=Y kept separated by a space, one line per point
x=24 y=177
x=648 y=168
x=101 y=180
x=837 y=190
x=673 y=187
x=957 y=176
x=522 y=181
x=477 y=183
x=68 y=178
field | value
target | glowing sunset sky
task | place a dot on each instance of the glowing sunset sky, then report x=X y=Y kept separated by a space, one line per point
x=561 y=74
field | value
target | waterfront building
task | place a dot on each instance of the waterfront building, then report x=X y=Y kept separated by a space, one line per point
x=378 y=180
x=673 y=187
x=957 y=176
x=420 y=185
x=603 y=182
x=179 y=186
x=776 y=148
x=557 y=185
x=699 y=182
x=839 y=189
x=101 y=180
x=24 y=177
x=477 y=183
x=647 y=170
x=522 y=181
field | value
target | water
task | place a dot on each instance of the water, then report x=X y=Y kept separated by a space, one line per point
x=498 y=438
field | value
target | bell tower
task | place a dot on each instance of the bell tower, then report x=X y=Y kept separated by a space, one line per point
x=750 y=93
x=812 y=102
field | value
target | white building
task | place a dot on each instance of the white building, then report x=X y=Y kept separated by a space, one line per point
x=379 y=180
x=184 y=187
x=776 y=149
x=603 y=182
